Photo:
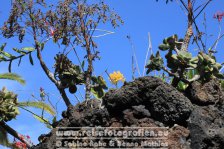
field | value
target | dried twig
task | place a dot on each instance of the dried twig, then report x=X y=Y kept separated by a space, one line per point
x=134 y=55
x=147 y=53
x=220 y=30
x=107 y=33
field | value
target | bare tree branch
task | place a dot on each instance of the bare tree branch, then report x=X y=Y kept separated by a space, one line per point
x=203 y=9
x=45 y=68
x=14 y=133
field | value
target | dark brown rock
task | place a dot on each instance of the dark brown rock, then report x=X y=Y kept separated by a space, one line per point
x=177 y=137
x=205 y=94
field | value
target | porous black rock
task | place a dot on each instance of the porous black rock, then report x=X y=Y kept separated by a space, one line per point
x=149 y=102
x=206 y=127
x=164 y=102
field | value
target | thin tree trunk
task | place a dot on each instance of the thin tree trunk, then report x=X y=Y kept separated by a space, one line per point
x=189 y=31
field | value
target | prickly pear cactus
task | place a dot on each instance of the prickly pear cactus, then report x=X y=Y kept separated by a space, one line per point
x=8 y=105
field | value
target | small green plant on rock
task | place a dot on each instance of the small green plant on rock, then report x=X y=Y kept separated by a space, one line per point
x=182 y=65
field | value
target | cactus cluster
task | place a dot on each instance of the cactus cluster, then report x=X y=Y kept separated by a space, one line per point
x=69 y=74
x=8 y=105
x=180 y=62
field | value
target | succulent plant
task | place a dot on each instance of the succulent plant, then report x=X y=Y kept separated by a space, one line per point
x=208 y=68
x=180 y=62
x=99 y=85
x=155 y=63
x=170 y=43
x=8 y=105
x=69 y=74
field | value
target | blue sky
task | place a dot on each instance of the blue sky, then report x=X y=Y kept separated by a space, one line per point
x=140 y=18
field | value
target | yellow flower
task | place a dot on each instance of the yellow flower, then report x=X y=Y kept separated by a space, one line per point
x=116 y=76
